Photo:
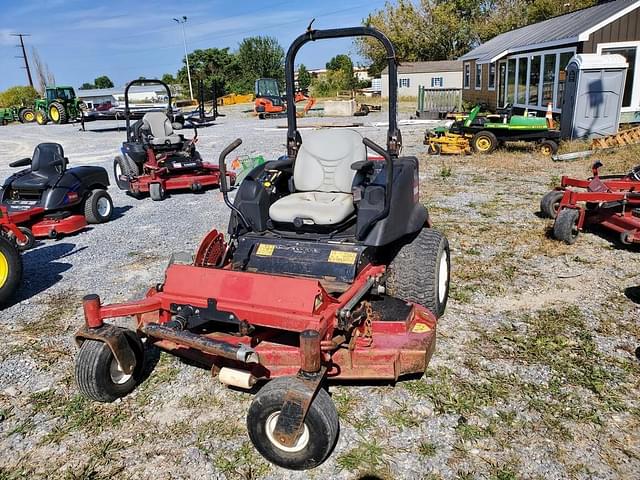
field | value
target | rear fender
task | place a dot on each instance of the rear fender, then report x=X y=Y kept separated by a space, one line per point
x=120 y=341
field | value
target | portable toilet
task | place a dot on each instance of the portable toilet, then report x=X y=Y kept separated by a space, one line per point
x=593 y=92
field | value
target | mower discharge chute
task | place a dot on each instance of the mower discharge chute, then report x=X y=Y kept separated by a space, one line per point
x=611 y=201
x=155 y=159
x=47 y=199
x=331 y=272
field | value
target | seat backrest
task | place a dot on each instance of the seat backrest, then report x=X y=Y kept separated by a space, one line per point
x=158 y=123
x=44 y=155
x=323 y=163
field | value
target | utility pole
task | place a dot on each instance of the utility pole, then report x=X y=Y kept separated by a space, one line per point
x=24 y=55
x=182 y=21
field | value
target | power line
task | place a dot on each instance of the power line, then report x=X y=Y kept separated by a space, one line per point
x=24 y=55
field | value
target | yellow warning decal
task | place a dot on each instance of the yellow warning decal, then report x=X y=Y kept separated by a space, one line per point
x=420 y=328
x=265 y=249
x=348 y=258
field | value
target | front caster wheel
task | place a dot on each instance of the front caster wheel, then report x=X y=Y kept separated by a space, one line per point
x=156 y=192
x=550 y=203
x=565 y=227
x=98 y=374
x=318 y=437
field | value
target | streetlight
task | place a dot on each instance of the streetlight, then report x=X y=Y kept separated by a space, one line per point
x=182 y=21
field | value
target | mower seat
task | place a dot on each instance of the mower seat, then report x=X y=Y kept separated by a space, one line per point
x=323 y=179
x=47 y=163
x=158 y=124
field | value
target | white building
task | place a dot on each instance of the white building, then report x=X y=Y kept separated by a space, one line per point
x=137 y=94
x=440 y=74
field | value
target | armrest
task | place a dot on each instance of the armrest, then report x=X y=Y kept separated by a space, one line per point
x=23 y=162
x=362 y=165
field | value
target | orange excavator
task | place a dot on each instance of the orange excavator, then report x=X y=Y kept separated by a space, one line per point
x=270 y=103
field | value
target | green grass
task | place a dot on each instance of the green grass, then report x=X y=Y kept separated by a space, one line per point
x=427 y=449
x=367 y=456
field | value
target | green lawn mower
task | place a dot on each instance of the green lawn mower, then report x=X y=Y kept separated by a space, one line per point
x=59 y=105
x=483 y=134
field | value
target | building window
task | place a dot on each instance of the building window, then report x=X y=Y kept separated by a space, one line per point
x=467 y=75
x=511 y=81
x=491 y=81
x=404 y=83
x=502 y=82
x=534 y=79
x=548 y=79
x=523 y=65
x=564 y=61
x=437 y=82
x=478 y=76
x=630 y=53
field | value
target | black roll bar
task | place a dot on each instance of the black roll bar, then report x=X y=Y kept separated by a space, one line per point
x=394 y=139
x=142 y=81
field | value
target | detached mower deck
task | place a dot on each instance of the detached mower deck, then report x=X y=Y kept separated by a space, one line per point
x=612 y=202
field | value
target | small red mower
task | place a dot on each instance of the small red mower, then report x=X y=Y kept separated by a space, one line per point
x=155 y=159
x=47 y=199
x=331 y=272
x=612 y=201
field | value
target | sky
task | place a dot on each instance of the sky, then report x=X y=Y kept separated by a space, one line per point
x=123 y=39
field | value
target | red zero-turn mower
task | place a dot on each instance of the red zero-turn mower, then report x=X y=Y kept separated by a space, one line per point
x=331 y=272
x=155 y=159
x=48 y=199
x=612 y=201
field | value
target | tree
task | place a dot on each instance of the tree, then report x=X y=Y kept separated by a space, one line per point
x=103 y=82
x=214 y=66
x=87 y=86
x=258 y=57
x=447 y=29
x=43 y=74
x=304 y=77
x=342 y=63
x=18 y=96
x=169 y=79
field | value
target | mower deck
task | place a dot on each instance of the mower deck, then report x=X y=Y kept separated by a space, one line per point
x=612 y=202
x=395 y=338
x=45 y=226
x=207 y=176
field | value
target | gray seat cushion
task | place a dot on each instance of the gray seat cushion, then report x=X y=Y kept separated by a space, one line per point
x=323 y=178
x=158 y=124
x=321 y=208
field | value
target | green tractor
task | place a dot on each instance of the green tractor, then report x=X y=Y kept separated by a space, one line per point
x=17 y=114
x=60 y=105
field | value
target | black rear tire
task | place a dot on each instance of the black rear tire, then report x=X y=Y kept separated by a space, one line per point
x=98 y=207
x=10 y=269
x=41 y=117
x=98 y=375
x=57 y=113
x=126 y=167
x=321 y=427
x=27 y=115
x=421 y=271
x=156 y=192
x=484 y=142
x=565 y=227
x=550 y=202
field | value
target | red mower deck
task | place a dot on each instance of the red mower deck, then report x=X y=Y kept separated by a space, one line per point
x=612 y=202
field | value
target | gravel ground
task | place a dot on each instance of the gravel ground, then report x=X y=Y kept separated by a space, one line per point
x=534 y=374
